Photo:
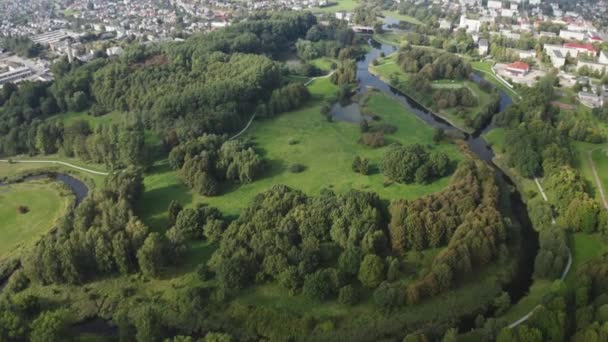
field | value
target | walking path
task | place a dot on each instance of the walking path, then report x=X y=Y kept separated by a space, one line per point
x=598 y=182
x=56 y=162
x=253 y=116
x=564 y=273
x=542 y=192
x=318 y=77
x=244 y=129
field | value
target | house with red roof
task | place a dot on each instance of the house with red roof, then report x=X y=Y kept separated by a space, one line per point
x=584 y=48
x=518 y=68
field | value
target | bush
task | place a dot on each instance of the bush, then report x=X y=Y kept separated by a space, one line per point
x=297 y=168
x=371 y=272
x=292 y=141
x=319 y=285
x=347 y=295
x=23 y=209
x=375 y=139
x=389 y=296
x=203 y=272
x=361 y=165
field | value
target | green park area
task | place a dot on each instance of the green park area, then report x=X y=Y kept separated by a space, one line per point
x=27 y=211
x=325 y=149
x=337 y=6
x=461 y=117
x=402 y=17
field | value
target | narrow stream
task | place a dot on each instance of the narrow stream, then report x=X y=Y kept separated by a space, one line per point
x=520 y=284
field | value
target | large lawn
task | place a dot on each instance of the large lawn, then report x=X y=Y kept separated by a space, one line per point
x=45 y=204
x=325 y=148
x=337 y=6
x=402 y=17
x=387 y=68
x=600 y=159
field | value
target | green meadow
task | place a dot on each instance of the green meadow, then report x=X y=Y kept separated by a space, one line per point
x=42 y=202
x=326 y=149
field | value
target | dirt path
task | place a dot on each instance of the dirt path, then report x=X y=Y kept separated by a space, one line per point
x=56 y=162
x=598 y=182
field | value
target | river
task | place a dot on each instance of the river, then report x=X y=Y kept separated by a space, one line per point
x=78 y=187
x=520 y=284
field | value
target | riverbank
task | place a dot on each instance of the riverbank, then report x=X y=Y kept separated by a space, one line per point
x=464 y=119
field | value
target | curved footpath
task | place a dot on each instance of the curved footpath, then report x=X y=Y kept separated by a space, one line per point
x=598 y=182
x=55 y=162
x=564 y=273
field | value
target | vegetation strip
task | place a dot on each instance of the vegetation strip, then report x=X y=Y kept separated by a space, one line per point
x=598 y=182
x=56 y=162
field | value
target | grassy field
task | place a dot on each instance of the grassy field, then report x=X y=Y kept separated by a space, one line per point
x=323 y=63
x=402 y=17
x=387 y=67
x=45 y=201
x=8 y=170
x=326 y=149
x=390 y=38
x=584 y=248
x=337 y=6
x=485 y=68
x=600 y=158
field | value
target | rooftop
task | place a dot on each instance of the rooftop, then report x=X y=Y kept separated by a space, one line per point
x=519 y=65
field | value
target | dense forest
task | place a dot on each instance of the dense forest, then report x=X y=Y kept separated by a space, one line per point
x=210 y=83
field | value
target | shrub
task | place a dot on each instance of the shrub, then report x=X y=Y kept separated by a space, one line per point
x=347 y=295
x=361 y=165
x=297 y=168
x=23 y=209
x=375 y=139
x=292 y=141
x=371 y=272
x=319 y=285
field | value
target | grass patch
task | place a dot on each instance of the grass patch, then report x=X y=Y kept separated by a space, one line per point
x=323 y=63
x=45 y=202
x=584 y=248
x=538 y=289
x=12 y=169
x=337 y=6
x=600 y=159
x=485 y=68
x=325 y=149
x=402 y=17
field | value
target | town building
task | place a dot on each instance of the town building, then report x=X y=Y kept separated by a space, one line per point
x=572 y=35
x=518 y=68
x=591 y=100
x=483 y=47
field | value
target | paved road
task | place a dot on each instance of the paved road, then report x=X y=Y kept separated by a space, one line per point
x=598 y=182
x=56 y=162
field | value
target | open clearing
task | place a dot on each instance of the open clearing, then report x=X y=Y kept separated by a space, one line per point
x=325 y=148
x=44 y=202
x=599 y=156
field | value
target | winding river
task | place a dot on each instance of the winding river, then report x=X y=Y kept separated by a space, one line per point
x=78 y=187
x=519 y=285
